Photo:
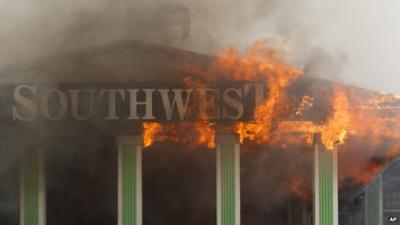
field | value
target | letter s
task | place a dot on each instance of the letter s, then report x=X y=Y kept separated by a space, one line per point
x=232 y=102
x=30 y=107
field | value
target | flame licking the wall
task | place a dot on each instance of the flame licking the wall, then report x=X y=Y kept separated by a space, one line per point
x=334 y=131
x=193 y=134
x=268 y=65
x=278 y=76
x=150 y=133
x=263 y=63
x=259 y=64
x=375 y=117
x=306 y=103
x=200 y=132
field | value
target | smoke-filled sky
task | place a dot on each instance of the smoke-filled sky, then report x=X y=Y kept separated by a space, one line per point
x=355 y=41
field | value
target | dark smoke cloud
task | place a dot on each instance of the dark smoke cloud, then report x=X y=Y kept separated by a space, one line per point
x=357 y=46
x=33 y=29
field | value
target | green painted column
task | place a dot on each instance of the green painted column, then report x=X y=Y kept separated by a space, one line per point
x=325 y=184
x=32 y=188
x=374 y=202
x=228 y=179
x=129 y=180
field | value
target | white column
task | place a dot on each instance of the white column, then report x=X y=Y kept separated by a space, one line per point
x=32 y=188
x=325 y=184
x=228 y=179
x=129 y=180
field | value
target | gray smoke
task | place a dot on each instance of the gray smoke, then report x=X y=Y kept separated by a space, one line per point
x=358 y=46
x=329 y=39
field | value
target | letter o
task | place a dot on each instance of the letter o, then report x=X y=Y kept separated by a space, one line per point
x=44 y=104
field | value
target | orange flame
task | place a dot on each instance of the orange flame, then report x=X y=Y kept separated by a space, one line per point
x=349 y=114
x=194 y=134
x=334 y=131
x=260 y=63
x=151 y=132
x=373 y=115
x=306 y=103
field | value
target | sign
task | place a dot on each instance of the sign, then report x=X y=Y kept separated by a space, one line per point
x=132 y=101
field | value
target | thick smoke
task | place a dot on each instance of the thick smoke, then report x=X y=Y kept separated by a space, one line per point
x=357 y=46
x=30 y=29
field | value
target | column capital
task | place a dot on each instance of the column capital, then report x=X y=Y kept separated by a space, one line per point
x=317 y=138
x=226 y=138
x=129 y=139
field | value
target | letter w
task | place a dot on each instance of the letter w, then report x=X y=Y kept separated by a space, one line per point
x=177 y=101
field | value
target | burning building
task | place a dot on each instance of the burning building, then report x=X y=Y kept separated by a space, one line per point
x=132 y=133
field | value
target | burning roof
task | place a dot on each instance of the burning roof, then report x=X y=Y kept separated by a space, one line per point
x=363 y=123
